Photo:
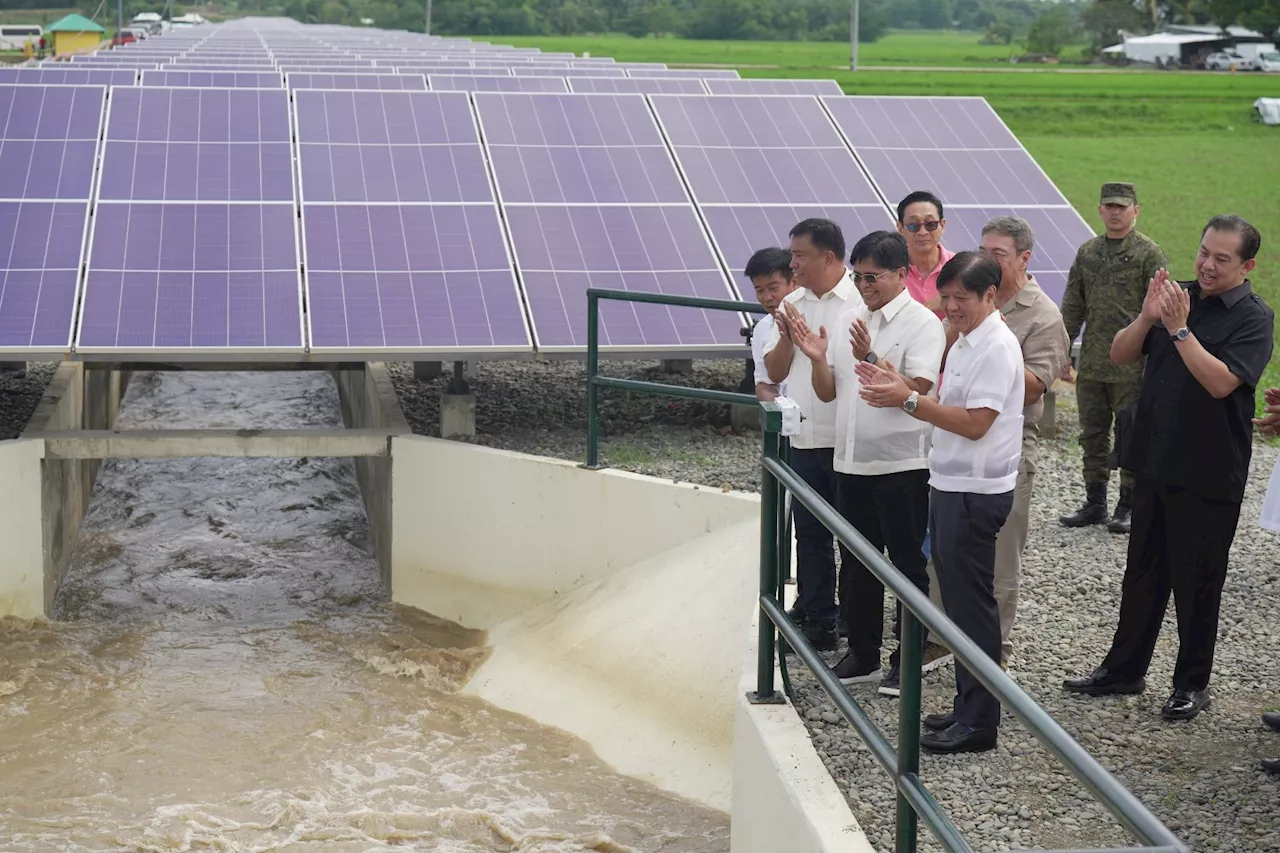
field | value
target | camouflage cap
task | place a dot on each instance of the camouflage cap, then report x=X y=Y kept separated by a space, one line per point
x=1119 y=192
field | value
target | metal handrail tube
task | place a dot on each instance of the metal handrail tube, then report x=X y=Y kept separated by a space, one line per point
x=733 y=398
x=883 y=752
x=1123 y=805
x=673 y=299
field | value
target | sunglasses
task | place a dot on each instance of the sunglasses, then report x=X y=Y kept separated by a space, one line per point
x=869 y=277
x=931 y=226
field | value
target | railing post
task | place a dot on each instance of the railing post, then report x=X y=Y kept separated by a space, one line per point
x=784 y=520
x=593 y=356
x=911 y=654
x=771 y=423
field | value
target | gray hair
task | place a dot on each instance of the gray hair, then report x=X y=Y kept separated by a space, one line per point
x=1024 y=239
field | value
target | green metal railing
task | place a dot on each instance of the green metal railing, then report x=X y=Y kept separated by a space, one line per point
x=914 y=802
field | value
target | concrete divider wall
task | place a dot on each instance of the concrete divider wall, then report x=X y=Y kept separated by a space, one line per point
x=75 y=398
x=783 y=796
x=482 y=534
x=22 y=571
x=369 y=401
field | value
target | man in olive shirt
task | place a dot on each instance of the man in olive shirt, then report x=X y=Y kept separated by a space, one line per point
x=1037 y=324
x=1105 y=288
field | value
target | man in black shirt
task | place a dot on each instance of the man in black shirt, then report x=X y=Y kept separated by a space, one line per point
x=1207 y=343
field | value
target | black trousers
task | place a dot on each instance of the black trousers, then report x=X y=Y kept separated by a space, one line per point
x=815 y=549
x=965 y=526
x=891 y=511
x=1179 y=544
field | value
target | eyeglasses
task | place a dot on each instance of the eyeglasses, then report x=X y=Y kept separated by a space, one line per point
x=869 y=277
x=930 y=226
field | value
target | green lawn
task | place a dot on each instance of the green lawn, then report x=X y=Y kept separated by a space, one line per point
x=895 y=48
x=1187 y=139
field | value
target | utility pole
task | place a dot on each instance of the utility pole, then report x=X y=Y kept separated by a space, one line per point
x=853 y=35
x=428 y=17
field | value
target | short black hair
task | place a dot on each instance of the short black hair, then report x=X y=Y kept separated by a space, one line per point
x=1229 y=223
x=916 y=197
x=885 y=249
x=976 y=272
x=823 y=233
x=767 y=262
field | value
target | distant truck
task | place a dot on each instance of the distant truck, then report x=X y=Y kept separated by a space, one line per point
x=14 y=36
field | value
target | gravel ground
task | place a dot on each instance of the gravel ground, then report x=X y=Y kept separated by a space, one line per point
x=1201 y=777
x=19 y=396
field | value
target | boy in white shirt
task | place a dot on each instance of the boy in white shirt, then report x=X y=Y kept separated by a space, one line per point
x=769 y=271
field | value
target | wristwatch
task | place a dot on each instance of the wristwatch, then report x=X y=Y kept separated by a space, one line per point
x=871 y=358
x=1182 y=334
x=913 y=400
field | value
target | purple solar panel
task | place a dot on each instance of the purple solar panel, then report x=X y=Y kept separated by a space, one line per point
x=76 y=76
x=48 y=140
x=739 y=230
x=481 y=83
x=213 y=79
x=379 y=82
x=399 y=147
x=699 y=73
x=411 y=278
x=764 y=86
x=404 y=247
x=192 y=277
x=198 y=145
x=523 y=71
x=1059 y=231
x=968 y=154
x=589 y=149
x=761 y=149
x=561 y=251
x=642 y=85
x=40 y=249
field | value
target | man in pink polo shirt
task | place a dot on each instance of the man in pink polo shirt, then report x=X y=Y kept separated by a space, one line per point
x=920 y=221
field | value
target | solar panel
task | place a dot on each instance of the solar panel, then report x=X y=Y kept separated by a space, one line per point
x=48 y=145
x=643 y=85
x=522 y=71
x=198 y=145
x=974 y=164
x=382 y=82
x=404 y=249
x=493 y=83
x=761 y=149
x=193 y=247
x=192 y=278
x=212 y=79
x=699 y=73
x=225 y=69
x=968 y=154
x=763 y=86
x=79 y=75
x=592 y=198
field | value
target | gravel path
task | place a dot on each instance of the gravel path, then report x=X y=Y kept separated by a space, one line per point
x=19 y=396
x=1201 y=777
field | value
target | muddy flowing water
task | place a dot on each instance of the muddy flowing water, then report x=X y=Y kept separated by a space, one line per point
x=226 y=674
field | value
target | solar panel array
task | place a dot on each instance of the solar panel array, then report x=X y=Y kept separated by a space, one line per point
x=271 y=190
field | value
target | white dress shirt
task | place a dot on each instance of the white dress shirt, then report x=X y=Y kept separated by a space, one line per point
x=818 y=424
x=871 y=441
x=983 y=371
x=762 y=334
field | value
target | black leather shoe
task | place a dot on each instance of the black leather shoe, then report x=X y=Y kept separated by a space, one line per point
x=1094 y=510
x=1100 y=682
x=1122 y=520
x=939 y=722
x=1271 y=720
x=1185 y=704
x=1271 y=765
x=821 y=637
x=959 y=738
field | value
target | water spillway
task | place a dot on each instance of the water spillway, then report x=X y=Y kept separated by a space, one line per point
x=227 y=672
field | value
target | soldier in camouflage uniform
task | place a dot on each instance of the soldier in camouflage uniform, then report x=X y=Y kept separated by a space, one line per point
x=1105 y=289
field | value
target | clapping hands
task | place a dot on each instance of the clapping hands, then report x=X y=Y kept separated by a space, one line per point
x=882 y=386
x=1269 y=423
x=1166 y=302
x=792 y=324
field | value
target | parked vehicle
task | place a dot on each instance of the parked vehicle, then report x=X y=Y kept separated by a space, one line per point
x=1269 y=61
x=14 y=36
x=1223 y=61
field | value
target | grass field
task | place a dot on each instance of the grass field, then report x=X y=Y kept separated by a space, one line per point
x=921 y=48
x=1188 y=139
